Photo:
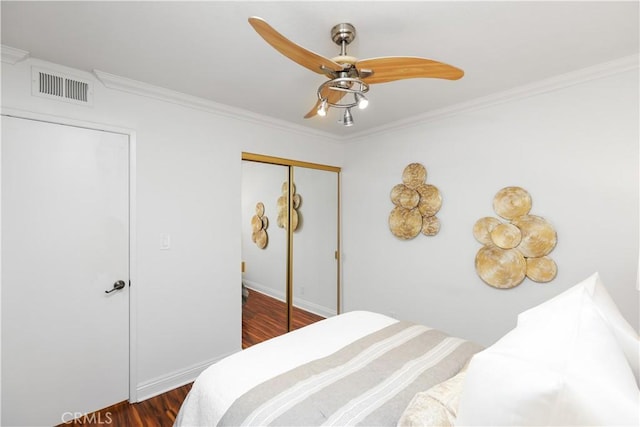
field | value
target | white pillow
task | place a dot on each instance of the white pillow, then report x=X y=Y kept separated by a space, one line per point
x=437 y=406
x=562 y=366
x=624 y=333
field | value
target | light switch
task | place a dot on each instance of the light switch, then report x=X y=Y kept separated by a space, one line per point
x=165 y=241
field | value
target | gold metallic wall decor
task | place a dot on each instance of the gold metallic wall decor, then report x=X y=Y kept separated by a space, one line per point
x=283 y=202
x=516 y=249
x=416 y=204
x=259 y=224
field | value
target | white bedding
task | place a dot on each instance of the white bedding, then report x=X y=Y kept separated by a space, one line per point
x=570 y=360
x=222 y=383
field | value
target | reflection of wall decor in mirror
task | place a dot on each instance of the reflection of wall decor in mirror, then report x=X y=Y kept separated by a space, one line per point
x=416 y=205
x=282 y=207
x=516 y=249
x=259 y=224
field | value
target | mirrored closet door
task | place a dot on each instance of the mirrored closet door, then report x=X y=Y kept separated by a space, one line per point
x=290 y=245
x=315 y=266
x=264 y=252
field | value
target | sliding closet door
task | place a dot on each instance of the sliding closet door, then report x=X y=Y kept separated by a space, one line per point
x=292 y=277
x=264 y=250
x=315 y=245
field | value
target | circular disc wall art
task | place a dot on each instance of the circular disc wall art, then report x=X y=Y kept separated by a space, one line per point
x=506 y=236
x=430 y=225
x=259 y=224
x=414 y=175
x=256 y=223
x=501 y=268
x=294 y=220
x=259 y=209
x=403 y=196
x=512 y=202
x=538 y=236
x=284 y=188
x=405 y=223
x=430 y=199
x=542 y=269
x=282 y=204
x=516 y=249
x=260 y=238
x=296 y=201
x=416 y=205
x=482 y=229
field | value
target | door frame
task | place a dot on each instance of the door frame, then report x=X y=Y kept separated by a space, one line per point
x=131 y=134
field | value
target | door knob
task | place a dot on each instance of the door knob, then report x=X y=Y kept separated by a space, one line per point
x=116 y=286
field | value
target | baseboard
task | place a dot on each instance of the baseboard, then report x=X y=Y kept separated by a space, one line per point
x=314 y=308
x=173 y=380
x=309 y=306
x=273 y=293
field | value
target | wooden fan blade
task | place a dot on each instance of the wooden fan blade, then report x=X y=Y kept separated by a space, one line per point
x=313 y=111
x=296 y=53
x=333 y=96
x=392 y=68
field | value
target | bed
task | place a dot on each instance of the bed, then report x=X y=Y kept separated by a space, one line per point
x=357 y=367
x=570 y=361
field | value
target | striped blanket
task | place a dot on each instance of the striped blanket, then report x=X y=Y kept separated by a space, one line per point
x=368 y=382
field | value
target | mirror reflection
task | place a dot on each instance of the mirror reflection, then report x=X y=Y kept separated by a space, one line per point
x=290 y=278
x=315 y=243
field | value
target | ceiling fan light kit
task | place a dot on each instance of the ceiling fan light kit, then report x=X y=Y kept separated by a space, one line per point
x=347 y=119
x=348 y=75
x=352 y=85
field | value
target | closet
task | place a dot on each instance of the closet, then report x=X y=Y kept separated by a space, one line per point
x=290 y=245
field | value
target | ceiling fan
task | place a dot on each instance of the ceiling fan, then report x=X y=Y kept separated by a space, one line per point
x=347 y=74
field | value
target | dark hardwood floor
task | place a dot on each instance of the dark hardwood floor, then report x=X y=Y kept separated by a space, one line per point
x=159 y=411
x=262 y=318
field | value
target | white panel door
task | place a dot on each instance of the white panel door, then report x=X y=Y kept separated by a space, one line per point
x=65 y=242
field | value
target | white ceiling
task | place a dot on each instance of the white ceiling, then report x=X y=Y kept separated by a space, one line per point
x=209 y=50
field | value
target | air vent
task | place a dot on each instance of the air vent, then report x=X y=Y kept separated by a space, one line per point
x=53 y=85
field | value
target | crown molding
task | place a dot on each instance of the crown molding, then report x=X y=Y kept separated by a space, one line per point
x=136 y=87
x=562 y=81
x=11 y=55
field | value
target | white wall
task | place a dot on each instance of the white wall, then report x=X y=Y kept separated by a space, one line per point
x=574 y=149
x=188 y=185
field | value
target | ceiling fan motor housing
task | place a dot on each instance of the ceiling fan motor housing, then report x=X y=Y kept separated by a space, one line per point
x=343 y=33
